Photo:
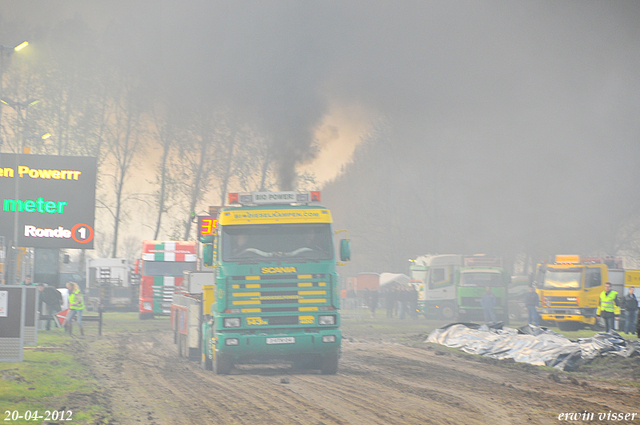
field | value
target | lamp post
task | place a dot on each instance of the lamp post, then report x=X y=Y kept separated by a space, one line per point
x=6 y=51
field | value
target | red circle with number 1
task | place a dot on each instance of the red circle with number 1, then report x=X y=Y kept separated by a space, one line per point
x=78 y=226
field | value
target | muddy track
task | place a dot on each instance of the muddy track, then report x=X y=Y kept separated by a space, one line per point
x=144 y=381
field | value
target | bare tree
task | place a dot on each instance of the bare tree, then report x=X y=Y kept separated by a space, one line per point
x=197 y=161
x=124 y=138
x=167 y=135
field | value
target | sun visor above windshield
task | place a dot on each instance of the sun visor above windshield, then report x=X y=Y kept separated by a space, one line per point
x=275 y=216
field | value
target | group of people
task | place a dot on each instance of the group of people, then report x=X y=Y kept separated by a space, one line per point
x=610 y=306
x=401 y=301
x=52 y=301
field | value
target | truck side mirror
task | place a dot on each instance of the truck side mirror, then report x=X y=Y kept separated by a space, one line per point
x=345 y=250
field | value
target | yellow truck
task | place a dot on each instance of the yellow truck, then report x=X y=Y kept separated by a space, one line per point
x=570 y=288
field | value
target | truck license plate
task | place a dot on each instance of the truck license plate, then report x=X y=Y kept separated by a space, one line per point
x=281 y=340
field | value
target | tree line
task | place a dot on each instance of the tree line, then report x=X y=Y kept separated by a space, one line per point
x=155 y=151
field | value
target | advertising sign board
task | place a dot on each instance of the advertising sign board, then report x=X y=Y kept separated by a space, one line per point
x=53 y=198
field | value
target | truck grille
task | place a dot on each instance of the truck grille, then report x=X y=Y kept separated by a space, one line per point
x=292 y=294
x=470 y=301
x=562 y=301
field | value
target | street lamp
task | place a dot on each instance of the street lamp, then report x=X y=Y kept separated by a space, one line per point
x=7 y=51
x=27 y=149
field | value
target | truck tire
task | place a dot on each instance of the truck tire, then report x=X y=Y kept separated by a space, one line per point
x=206 y=363
x=329 y=365
x=180 y=345
x=222 y=365
x=569 y=326
x=448 y=312
x=145 y=316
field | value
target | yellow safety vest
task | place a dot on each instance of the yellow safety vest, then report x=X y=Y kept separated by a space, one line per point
x=76 y=298
x=607 y=302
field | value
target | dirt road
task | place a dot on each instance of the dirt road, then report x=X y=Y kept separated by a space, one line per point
x=379 y=382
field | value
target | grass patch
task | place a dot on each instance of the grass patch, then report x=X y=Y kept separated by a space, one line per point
x=49 y=378
x=53 y=375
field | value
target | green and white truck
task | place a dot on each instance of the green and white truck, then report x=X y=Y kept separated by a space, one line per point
x=451 y=286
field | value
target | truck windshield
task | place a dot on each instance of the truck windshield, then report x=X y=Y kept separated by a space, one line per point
x=167 y=268
x=277 y=242
x=562 y=278
x=417 y=274
x=481 y=279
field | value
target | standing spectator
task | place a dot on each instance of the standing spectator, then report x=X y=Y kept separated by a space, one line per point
x=373 y=302
x=608 y=307
x=50 y=298
x=532 y=301
x=488 y=303
x=343 y=298
x=351 y=298
x=366 y=295
x=630 y=305
x=76 y=306
x=413 y=302
x=388 y=300
x=395 y=296
x=403 y=300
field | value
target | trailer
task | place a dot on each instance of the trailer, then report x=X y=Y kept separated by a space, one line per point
x=112 y=284
x=189 y=310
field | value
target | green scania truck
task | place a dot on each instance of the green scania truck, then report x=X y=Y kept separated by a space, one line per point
x=275 y=294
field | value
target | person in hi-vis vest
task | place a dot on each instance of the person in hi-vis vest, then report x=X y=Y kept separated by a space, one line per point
x=608 y=307
x=76 y=306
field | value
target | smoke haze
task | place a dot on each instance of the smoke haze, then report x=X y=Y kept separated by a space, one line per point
x=505 y=125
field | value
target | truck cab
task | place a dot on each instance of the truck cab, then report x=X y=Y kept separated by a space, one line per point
x=276 y=286
x=451 y=286
x=571 y=287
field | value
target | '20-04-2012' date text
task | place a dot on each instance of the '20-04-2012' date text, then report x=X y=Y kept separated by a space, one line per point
x=35 y=415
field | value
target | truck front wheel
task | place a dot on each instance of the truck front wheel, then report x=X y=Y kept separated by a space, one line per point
x=329 y=364
x=447 y=312
x=207 y=363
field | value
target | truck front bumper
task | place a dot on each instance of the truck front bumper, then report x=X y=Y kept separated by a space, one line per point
x=283 y=346
x=566 y=316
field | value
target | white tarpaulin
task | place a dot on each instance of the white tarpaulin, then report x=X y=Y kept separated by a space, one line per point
x=531 y=344
x=397 y=278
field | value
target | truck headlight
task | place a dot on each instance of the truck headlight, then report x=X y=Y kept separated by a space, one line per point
x=231 y=322
x=328 y=338
x=327 y=320
x=231 y=341
x=578 y=311
x=146 y=306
